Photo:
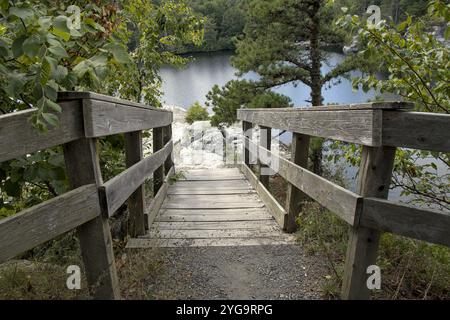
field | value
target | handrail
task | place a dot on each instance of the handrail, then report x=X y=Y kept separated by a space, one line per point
x=379 y=127
x=372 y=124
x=84 y=117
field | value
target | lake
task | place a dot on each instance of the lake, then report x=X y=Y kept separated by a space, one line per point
x=183 y=87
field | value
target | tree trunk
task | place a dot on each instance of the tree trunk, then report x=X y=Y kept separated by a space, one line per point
x=316 y=80
x=315 y=56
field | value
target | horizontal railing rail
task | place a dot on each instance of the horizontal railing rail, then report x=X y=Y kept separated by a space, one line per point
x=86 y=116
x=380 y=128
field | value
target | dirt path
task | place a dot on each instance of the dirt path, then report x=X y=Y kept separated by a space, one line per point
x=245 y=272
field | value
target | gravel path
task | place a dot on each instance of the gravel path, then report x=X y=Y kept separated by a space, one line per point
x=245 y=272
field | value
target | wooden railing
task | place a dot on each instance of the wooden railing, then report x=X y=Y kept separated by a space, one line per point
x=379 y=128
x=85 y=117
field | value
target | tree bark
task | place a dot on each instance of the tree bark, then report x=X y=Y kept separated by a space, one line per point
x=315 y=56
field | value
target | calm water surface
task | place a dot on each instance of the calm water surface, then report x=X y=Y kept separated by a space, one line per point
x=183 y=87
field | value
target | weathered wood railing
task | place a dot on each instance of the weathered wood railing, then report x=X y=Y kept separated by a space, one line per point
x=85 y=117
x=379 y=128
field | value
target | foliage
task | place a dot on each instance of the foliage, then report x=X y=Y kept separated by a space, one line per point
x=241 y=93
x=155 y=30
x=304 y=27
x=196 y=113
x=419 y=71
x=44 y=50
x=224 y=22
x=412 y=269
x=283 y=43
x=395 y=10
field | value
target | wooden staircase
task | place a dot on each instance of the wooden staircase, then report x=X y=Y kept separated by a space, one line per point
x=212 y=207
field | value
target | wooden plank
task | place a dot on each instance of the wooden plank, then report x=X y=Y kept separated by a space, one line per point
x=294 y=196
x=212 y=201
x=209 y=191
x=216 y=171
x=272 y=204
x=217 y=212
x=208 y=234
x=216 y=242
x=19 y=137
x=117 y=190
x=86 y=95
x=158 y=174
x=247 y=133
x=357 y=126
x=83 y=167
x=103 y=118
x=167 y=136
x=342 y=202
x=45 y=221
x=136 y=202
x=212 y=172
x=417 y=130
x=427 y=225
x=213 y=215
x=241 y=184
x=214 y=225
x=212 y=177
x=378 y=105
x=265 y=139
x=373 y=181
x=209 y=217
x=158 y=200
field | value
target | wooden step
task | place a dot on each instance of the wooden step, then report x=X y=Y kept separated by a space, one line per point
x=215 y=242
x=260 y=232
x=212 y=208
x=214 y=225
x=176 y=201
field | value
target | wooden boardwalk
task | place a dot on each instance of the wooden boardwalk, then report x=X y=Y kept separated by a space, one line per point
x=212 y=207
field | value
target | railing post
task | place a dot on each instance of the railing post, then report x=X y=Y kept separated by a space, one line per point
x=265 y=139
x=82 y=165
x=247 y=133
x=158 y=144
x=136 y=202
x=168 y=164
x=295 y=197
x=373 y=181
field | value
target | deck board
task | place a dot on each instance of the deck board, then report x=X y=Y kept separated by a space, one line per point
x=216 y=207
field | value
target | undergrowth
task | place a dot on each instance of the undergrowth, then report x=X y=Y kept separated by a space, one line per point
x=410 y=269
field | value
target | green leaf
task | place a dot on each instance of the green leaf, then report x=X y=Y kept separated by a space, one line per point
x=58 y=51
x=31 y=46
x=51 y=91
x=22 y=13
x=118 y=52
x=50 y=118
x=45 y=71
x=60 y=73
x=4 y=5
x=60 y=22
x=93 y=24
x=53 y=105
x=17 y=46
x=81 y=68
x=60 y=28
x=16 y=82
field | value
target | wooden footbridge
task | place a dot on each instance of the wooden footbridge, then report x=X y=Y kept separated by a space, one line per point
x=219 y=207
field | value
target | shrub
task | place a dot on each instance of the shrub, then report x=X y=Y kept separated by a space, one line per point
x=196 y=113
